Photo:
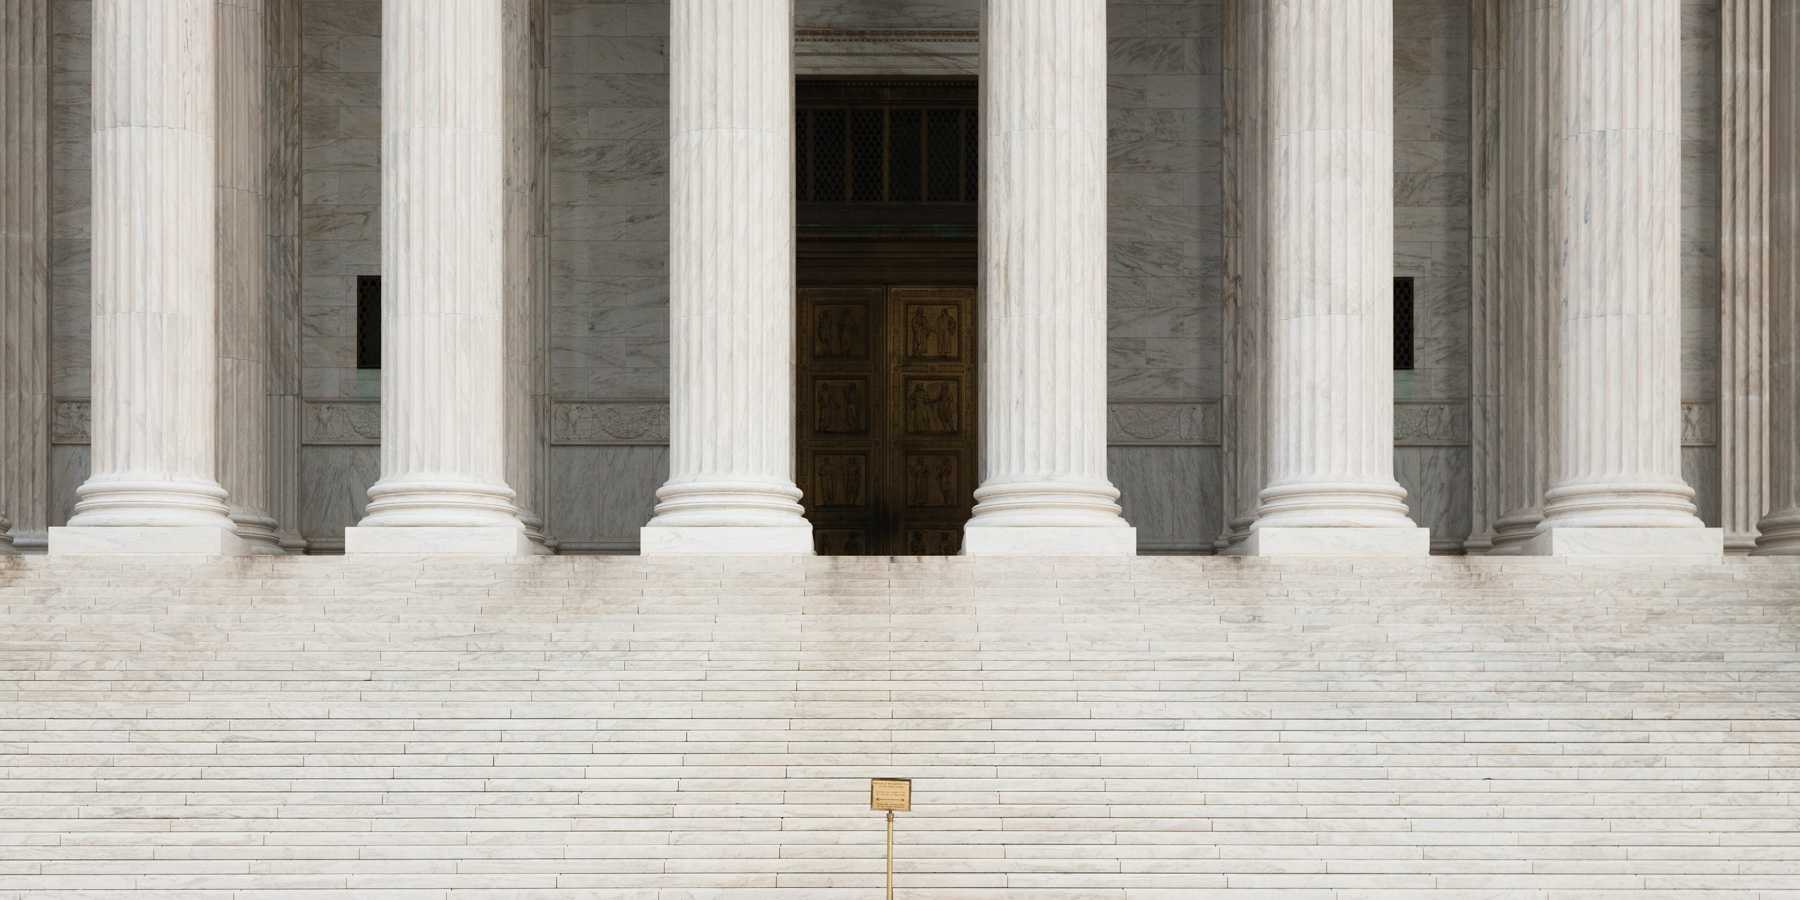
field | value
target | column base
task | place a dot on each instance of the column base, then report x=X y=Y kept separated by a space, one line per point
x=1048 y=540
x=1325 y=541
x=726 y=540
x=1779 y=533
x=1575 y=542
x=427 y=540
x=146 y=540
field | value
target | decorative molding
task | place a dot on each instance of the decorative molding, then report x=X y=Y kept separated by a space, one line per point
x=1699 y=424
x=1163 y=424
x=1431 y=424
x=597 y=424
x=70 y=422
x=341 y=422
x=829 y=51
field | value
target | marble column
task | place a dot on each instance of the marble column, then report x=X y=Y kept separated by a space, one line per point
x=1246 y=228
x=1531 y=246
x=1743 y=269
x=526 y=289
x=281 y=211
x=243 y=320
x=155 y=290
x=731 y=284
x=1330 y=415
x=24 y=269
x=1780 y=529
x=1487 y=282
x=1044 y=487
x=443 y=413
x=1618 y=488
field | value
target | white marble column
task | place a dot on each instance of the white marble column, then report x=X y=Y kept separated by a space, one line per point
x=155 y=360
x=526 y=287
x=1780 y=529
x=443 y=448
x=1743 y=269
x=1044 y=487
x=1532 y=266
x=1487 y=284
x=731 y=284
x=243 y=320
x=1246 y=228
x=1618 y=489
x=24 y=269
x=1330 y=418
x=282 y=257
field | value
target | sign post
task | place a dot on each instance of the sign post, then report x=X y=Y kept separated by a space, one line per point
x=890 y=795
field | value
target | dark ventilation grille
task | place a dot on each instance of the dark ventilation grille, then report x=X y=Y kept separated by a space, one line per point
x=971 y=154
x=906 y=155
x=1403 y=323
x=368 y=321
x=802 y=157
x=882 y=142
x=868 y=143
x=943 y=155
x=830 y=149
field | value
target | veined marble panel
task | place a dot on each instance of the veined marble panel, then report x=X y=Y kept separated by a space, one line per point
x=334 y=492
x=1170 y=494
x=1436 y=479
x=1701 y=283
x=69 y=467
x=601 y=496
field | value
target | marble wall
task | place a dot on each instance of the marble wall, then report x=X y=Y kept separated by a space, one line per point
x=1431 y=245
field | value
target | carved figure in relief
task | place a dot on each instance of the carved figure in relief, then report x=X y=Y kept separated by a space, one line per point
x=931 y=407
x=838 y=406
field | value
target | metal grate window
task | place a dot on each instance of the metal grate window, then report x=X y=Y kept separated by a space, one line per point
x=886 y=142
x=368 y=321
x=1403 y=323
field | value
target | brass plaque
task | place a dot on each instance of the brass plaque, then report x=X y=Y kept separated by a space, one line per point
x=890 y=794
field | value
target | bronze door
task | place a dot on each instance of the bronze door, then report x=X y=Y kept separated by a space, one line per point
x=887 y=401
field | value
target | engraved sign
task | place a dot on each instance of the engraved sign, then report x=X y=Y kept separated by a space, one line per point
x=890 y=794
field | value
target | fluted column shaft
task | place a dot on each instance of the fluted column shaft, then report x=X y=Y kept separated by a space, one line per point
x=1619 y=430
x=1743 y=269
x=24 y=267
x=281 y=217
x=243 y=322
x=1330 y=419
x=1246 y=229
x=1488 y=72
x=1532 y=247
x=1043 y=283
x=1780 y=529
x=155 y=360
x=731 y=283
x=443 y=325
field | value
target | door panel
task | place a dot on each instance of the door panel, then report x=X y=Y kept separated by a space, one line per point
x=896 y=475
x=842 y=365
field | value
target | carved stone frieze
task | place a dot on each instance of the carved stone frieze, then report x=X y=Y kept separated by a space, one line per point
x=69 y=422
x=1699 y=424
x=602 y=424
x=1437 y=424
x=1163 y=424
x=350 y=422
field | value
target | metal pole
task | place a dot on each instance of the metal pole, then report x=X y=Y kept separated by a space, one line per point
x=890 y=895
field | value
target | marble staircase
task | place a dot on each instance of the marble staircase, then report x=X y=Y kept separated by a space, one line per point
x=613 y=728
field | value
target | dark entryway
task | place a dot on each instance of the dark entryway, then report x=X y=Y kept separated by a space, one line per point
x=888 y=315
